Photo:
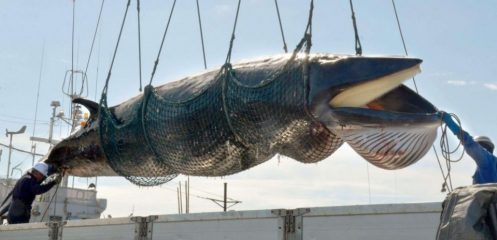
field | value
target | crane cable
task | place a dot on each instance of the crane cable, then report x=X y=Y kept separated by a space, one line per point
x=72 y=45
x=445 y=176
x=358 y=47
x=139 y=43
x=162 y=43
x=149 y=89
x=445 y=149
x=201 y=35
x=33 y=145
x=281 y=26
x=226 y=72
x=106 y=86
x=228 y=57
x=402 y=38
x=94 y=36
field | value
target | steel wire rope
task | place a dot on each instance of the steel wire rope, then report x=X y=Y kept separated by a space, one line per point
x=444 y=176
x=358 y=47
x=201 y=35
x=24 y=122
x=281 y=26
x=162 y=43
x=446 y=150
x=228 y=57
x=448 y=175
x=307 y=40
x=38 y=96
x=70 y=88
x=103 y=100
x=308 y=30
x=402 y=38
x=146 y=95
x=139 y=43
x=227 y=67
x=106 y=86
x=22 y=151
x=28 y=123
x=444 y=143
x=72 y=46
x=91 y=50
x=19 y=118
x=225 y=72
x=84 y=81
x=50 y=203
x=308 y=45
x=98 y=68
x=94 y=36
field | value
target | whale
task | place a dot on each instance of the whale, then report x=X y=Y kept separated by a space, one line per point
x=230 y=119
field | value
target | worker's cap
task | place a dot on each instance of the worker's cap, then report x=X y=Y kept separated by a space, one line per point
x=42 y=168
x=485 y=142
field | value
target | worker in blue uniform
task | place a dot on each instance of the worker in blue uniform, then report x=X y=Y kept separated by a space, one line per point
x=479 y=148
x=25 y=191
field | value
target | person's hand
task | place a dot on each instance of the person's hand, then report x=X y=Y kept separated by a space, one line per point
x=58 y=178
x=444 y=116
x=447 y=119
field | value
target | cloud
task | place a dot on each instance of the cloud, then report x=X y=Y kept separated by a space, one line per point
x=461 y=82
x=438 y=74
x=457 y=82
x=491 y=86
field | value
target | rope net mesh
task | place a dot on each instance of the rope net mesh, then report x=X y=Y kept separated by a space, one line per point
x=216 y=124
x=126 y=152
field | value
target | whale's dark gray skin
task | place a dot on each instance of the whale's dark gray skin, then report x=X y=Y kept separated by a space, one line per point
x=214 y=125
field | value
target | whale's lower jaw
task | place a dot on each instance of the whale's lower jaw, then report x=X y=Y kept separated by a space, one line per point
x=385 y=122
x=386 y=140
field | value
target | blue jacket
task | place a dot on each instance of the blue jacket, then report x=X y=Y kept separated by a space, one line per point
x=28 y=187
x=486 y=162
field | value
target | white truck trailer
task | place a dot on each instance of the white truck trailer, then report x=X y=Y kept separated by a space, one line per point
x=372 y=222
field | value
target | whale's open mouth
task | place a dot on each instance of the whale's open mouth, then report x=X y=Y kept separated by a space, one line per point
x=368 y=94
x=385 y=122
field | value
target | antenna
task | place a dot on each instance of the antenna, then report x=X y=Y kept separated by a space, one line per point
x=75 y=83
x=11 y=134
x=225 y=201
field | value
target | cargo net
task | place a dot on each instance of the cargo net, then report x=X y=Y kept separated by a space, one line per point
x=239 y=118
x=271 y=114
x=128 y=156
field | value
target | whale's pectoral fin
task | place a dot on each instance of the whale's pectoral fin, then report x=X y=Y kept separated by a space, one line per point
x=90 y=105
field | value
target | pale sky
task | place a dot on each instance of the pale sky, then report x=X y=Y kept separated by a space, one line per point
x=456 y=39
